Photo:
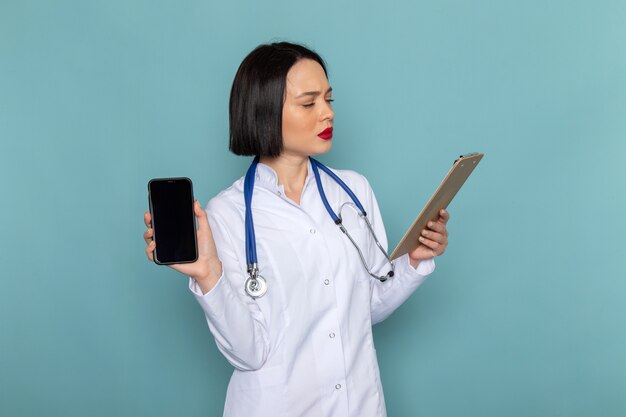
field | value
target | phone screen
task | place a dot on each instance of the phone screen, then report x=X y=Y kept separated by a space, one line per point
x=173 y=220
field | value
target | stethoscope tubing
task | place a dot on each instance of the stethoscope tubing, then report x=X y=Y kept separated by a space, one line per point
x=315 y=165
x=251 y=257
x=256 y=285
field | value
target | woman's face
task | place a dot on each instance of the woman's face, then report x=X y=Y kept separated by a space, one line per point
x=307 y=112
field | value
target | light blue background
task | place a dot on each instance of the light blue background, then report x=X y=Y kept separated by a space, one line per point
x=525 y=315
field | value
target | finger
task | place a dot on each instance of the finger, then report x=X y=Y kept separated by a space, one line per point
x=444 y=216
x=147 y=235
x=431 y=244
x=437 y=237
x=150 y=250
x=147 y=219
x=423 y=252
x=438 y=227
x=203 y=221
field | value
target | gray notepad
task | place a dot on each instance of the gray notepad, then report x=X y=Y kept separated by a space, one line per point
x=448 y=188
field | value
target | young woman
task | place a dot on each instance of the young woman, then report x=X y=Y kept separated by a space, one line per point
x=296 y=319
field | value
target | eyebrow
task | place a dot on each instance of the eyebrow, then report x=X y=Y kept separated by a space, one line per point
x=314 y=93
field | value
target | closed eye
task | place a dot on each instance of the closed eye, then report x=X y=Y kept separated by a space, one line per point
x=309 y=105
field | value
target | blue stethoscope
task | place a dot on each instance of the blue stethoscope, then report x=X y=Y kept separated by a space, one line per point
x=256 y=285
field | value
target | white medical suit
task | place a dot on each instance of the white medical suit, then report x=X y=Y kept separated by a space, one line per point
x=305 y=348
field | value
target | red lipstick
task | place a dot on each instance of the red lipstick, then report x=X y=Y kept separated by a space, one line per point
x=326 y=133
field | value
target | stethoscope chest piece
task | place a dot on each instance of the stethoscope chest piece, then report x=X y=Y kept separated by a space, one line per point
x=256 y=287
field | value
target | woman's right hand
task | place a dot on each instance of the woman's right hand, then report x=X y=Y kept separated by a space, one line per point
x=207 y=269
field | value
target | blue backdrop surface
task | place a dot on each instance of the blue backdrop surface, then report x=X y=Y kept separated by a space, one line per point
x=525 y=313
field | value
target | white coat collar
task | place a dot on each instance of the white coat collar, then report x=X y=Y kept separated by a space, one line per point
x=267 y=177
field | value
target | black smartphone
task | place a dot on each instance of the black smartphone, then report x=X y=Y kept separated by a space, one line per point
x=173 y=220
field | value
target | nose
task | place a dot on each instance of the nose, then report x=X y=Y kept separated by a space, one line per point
x=327 y=112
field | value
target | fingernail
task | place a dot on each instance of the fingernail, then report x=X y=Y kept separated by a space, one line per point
x=421 y=239
x=430 y=224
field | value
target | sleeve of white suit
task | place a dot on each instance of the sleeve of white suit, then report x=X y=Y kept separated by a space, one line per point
x=235 y=320
x=387 y=296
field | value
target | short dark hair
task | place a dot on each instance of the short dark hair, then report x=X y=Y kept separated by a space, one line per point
x=258 y=95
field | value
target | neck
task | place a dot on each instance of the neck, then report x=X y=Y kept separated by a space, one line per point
x=291 y=172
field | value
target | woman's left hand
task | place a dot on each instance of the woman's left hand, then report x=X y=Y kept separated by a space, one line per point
x=433 y=241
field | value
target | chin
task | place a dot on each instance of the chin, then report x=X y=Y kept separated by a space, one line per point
x=323 y=148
